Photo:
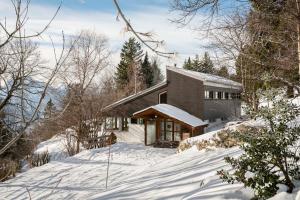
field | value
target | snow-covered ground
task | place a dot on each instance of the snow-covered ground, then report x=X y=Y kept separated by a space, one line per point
x=135 y=172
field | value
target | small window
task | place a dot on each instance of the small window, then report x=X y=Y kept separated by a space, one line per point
x=163 y=97
x=211 y=94
x=220 y=95
x=226 y=95
x=236 y=95
x=133 y=121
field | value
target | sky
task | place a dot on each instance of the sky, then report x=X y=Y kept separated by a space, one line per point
x=100 y=16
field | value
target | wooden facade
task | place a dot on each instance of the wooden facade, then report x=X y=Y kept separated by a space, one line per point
x=166 y=131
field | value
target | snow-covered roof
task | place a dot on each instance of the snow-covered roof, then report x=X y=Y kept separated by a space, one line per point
x=208 y=79
x=131 y=97
x=176 y=113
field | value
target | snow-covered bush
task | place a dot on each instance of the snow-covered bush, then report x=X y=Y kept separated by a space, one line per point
x=222 y=139
x=270 y=157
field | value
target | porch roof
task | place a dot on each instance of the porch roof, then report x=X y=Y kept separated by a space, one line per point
x=173 y=112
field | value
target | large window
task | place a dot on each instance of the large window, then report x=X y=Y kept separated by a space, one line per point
x=162 y=97
x=170 y=131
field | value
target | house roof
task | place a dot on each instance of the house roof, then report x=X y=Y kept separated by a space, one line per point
x=175 y=113
x=208 y=79
x=134 y=96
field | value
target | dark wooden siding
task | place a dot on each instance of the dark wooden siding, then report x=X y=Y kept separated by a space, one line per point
x=185 y=93
x=141 y=102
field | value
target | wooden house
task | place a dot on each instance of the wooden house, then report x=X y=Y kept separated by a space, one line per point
x=177 y=108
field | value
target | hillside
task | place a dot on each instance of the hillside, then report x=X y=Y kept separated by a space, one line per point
x=136 y=172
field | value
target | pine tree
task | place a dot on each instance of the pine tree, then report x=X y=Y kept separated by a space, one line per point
x=196 y=64
x=223 y=71
x=206 y=65
x=49 y=109
x=188 y=64
x=147 y=72
x=131 y=55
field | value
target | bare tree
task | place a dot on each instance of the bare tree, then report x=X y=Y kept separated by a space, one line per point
x=90 y=56
x=20 y=67
x=234 y=35
x=145 y=38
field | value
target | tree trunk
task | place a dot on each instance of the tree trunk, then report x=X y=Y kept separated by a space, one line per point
x=298 y=35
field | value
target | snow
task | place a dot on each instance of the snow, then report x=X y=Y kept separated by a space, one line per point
x=208 y=79
x=55 y=147
x=135 y=134
x=136 y=172
x=176 y=113
x=83 y=175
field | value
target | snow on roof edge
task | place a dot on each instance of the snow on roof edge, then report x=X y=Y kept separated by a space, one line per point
x=176 y=113
x=208 y=79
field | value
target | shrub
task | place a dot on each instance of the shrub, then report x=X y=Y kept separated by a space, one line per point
x=40 y=159
x=269 y=156
x=222 y=139
x=8 y=168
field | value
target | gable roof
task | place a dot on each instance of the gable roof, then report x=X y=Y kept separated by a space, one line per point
x=175 y=113
x=208 y=79
x=134 y=96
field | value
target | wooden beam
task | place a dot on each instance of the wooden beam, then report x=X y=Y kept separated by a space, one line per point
x=146 y=132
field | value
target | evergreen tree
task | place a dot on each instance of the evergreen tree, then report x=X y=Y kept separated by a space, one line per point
x=196 y=64
x=131 y=55
x=206 y=64
x=157 y=75
x=147 y=72
x=223 y=71
x=49 y=109
x=188 y=64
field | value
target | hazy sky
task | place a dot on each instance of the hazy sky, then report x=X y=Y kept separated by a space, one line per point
x=100 y=16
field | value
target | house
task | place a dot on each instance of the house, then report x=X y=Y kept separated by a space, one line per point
x=177 y=108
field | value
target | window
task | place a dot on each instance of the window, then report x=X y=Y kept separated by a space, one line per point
x=170 y=130
x=226 y=95
x=220 y=94
x=211 y=94
x=236 y=95
x=133 y=121
x=162 y=97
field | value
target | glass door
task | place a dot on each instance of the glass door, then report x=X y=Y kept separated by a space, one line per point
x=151 y=132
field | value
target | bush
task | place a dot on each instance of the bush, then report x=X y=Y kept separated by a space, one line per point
x=269 y=156
x=37 y=160
x=222 y=139
x=8 y=168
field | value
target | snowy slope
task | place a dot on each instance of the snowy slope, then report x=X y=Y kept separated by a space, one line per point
x=83 y=175
x=136 y=172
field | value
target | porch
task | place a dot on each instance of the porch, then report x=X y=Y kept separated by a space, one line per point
x=166 y=125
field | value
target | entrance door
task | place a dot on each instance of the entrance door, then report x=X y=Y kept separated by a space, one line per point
x=151 y=132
